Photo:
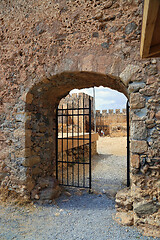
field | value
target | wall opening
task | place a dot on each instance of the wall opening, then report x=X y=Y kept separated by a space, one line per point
x=41 y=103
x=109 y=160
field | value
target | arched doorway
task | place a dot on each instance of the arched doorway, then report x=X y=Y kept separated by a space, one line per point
x=108 y=151
x=41 y=103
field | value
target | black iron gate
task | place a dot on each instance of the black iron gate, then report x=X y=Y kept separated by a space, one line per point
x=73 y=143
x=128 y=145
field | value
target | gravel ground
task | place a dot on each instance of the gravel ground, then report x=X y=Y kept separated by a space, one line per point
x=85 y=217
x=75 y=216
x=109 y=173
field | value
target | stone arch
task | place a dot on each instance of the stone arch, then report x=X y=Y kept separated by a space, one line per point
x=41 y=103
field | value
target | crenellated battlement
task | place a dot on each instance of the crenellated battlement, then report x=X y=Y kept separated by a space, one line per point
x=75 y=97
x=111 y=121
x=111 y=112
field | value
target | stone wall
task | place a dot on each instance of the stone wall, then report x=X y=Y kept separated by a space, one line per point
x=73 y=172
x=51 y=47
x=74 y=152
x=75 y=123
x=113 y=123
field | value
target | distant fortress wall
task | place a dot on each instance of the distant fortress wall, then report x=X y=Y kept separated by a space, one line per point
x=75 y=123
x=75 y=99
x=111 y=122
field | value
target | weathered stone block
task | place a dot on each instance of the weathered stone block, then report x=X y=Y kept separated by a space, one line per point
x=145 y=208
x=108 y=4
x=105 y=45
x=28 y=142
x=28 y=152
x=4 y=155
x=130 y=27
x=138 y=115
x=135 y=161
x=151 y=114
x=30 y=184
x=151 y=69
x=149 y=90
x=128 y=72
x=150 y=80
x=20 y=153
x=144 y=169
x=19 y=133
x=47 y=182
x=124 y=218
x=158 y=115
x=31 y=161
x=137 y=101
x=135 y=86
x=138 y=130
x=20 y=117
x=50 y=193
x=95 y=34
x=42 y=129
x=29 y=98
x=87 y=64
x=138 y=146
x=36 y=170
x=2 y=176
x=124 y=200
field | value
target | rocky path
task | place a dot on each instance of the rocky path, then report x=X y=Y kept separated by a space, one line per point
x=76 y=215
x=81 y=216
x=109 y=173
x=109 y=166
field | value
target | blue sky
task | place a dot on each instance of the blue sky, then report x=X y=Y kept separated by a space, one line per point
x=106 y=98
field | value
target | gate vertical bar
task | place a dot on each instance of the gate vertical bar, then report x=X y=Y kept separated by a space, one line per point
x=57 y=143
x=128 y=146
x=90 y=177
x=78 y=141
x=67 y=143
x=83 y=146
x=62 y=144
x=72 y=143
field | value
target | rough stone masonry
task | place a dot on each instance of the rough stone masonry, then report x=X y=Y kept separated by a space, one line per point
x=48 y=48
